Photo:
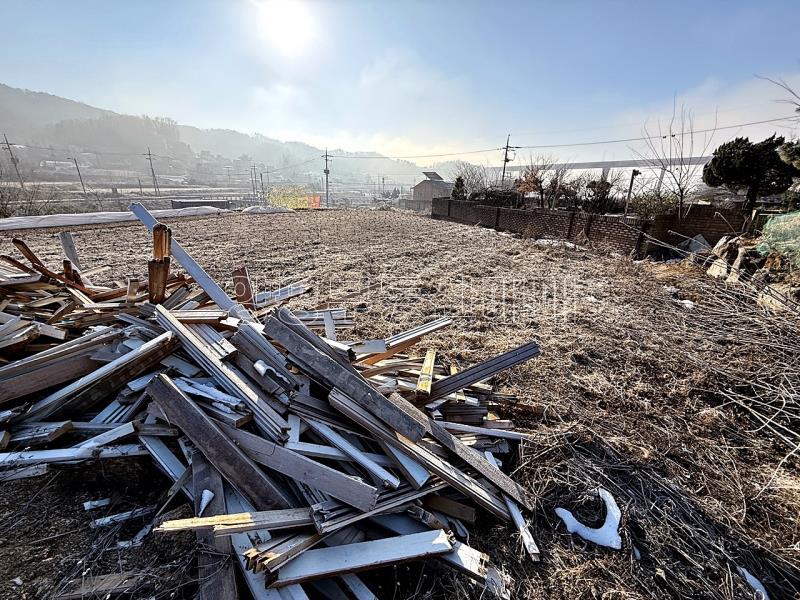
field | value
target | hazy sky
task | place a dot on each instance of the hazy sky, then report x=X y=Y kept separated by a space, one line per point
x=405 y=77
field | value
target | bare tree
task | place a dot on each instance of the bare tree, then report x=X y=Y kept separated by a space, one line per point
x=668 y=151
x=794 y=97
x=477 y=178
x=547 y=179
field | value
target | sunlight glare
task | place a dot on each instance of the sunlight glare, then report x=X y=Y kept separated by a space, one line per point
x=287 y=25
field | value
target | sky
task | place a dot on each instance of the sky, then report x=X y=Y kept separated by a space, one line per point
x=417 y=78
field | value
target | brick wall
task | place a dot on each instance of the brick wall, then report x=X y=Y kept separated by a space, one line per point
x=617 y=233
x=440 y=207
x=712 y=223
x=611 y=232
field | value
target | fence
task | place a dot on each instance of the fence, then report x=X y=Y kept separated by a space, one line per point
x=626 y=235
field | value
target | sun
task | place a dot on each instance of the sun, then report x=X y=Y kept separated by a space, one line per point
x=287 y=25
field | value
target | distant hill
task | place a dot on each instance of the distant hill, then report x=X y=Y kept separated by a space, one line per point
x=42 y=119
x=24 y=110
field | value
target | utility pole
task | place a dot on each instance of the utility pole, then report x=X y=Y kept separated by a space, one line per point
x=505 y=160
x=228 y=171
x=80 y=177
x=634 y=173
x=253 y=181
x=263 y=197
x=327 y=172
x=153 y=172
x=14 y=162
x=268 y=188
x=141 y=191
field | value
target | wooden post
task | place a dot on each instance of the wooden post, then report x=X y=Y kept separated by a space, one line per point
x=158 y=267
x=242 y=287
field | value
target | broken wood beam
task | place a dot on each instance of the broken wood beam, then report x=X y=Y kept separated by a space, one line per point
x=484 y=370
x=227 y=457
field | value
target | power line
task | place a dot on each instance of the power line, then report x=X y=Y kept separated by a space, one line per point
x=653 y=137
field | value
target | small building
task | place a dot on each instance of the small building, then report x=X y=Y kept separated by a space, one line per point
x=428 y=189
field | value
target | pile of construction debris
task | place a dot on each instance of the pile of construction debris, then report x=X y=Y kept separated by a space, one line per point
x=742 y=259
x=306 y=458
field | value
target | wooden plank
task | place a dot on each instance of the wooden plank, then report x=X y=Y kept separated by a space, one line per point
x=47 y=375
x=463 y=558
x=519 y=521
x=40 y=433
x=484 y=370
x=130 y=365
x=351 y=558
x=464 y=483
x=34 y=457
x=221 y=452
x=39 y=266
x=330 y=373
x=426 y=374
x=378 y=473
x=216 y=293
x=68 y=245
x=498 y=433
x=450 y=507
x=269 y=421
x=216 y=578
x=242 y=287
x=129 y=515
x=462 y=451
x=415 y=473
x=227 y=524
x=108 y=437
x=100 y=586
x=334 y=483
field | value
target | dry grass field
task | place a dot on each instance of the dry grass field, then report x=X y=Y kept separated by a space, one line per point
x=630 y=393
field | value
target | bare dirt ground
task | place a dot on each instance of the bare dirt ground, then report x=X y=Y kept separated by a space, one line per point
x=628 y=394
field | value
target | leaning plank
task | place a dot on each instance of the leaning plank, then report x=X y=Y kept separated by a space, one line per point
x=458 y=479
x=519 y=521
x=302 y=469
x=216 y=578
x=131 y=364
x=462 y=451
x=68 y=245
x=425 y=379
x=377 y=472
x=484 y=370
x=210 y=287
x=332 y=374
x=39 y=266
x=221 y=452
x=350 y=558
x=269 y=421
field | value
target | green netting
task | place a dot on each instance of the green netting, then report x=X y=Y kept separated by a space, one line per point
x=782 y=234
